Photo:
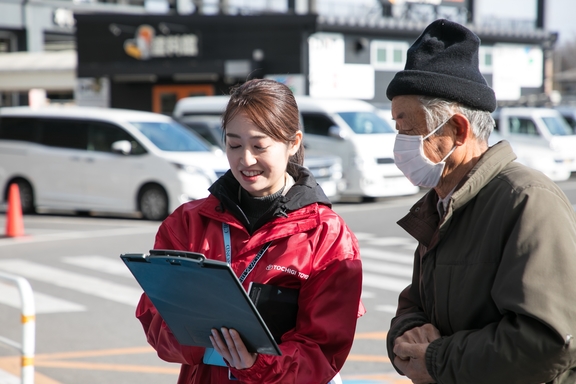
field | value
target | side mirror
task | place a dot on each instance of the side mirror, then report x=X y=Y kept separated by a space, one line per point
x=122 y=147
x=336 y=132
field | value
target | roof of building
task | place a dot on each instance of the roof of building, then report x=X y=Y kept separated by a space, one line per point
x=405 y=28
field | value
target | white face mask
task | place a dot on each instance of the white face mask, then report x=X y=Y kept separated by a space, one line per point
x=410 y=159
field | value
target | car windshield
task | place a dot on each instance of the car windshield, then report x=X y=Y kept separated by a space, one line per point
x=171 y=137
x=366 y=122
x=557 y=126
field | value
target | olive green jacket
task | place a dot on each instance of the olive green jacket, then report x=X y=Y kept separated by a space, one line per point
x=497 y=277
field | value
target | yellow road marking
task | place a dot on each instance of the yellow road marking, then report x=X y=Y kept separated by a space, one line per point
x=60 y=360
x=96 y=353
x=109 y=367
x=371 y=335
x=389 y=378
x=12 y=366
x=369 y=358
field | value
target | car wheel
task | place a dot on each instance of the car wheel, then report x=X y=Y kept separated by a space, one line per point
x=26 y=195
x=153 y=203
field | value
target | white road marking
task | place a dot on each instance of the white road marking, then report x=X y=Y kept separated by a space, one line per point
x=9 y=295
x=386 y=308
x=6 y=378
x=387 y=269
x=384 y=282
x=78 y=282
x=64 y=235
x=377 y=254
x=100 y=263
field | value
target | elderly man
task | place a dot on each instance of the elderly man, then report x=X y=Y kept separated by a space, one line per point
x=493 y=293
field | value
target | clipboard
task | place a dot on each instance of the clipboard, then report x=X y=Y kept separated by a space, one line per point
x=194 y=294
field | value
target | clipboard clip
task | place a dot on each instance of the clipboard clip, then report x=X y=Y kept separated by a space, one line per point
x=174 y=253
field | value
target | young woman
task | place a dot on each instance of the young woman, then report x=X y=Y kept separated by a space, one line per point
x=283 y=232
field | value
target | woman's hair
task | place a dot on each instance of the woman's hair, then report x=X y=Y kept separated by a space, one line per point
x=439 y=110
x=271 y=106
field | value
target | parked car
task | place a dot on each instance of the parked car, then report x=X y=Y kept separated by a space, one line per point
x=538 y=127
x=538 y=157
x=327 y=169
x=207 y=126
x=106 y=160
x=384 y=110
x=349 y=129
x=568 y=112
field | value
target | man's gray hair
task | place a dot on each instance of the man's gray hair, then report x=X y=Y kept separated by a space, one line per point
x=439 y=110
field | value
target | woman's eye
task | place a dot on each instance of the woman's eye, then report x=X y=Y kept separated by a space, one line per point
x=231 y=146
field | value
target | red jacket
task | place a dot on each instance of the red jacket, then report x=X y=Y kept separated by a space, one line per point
x=312 y=250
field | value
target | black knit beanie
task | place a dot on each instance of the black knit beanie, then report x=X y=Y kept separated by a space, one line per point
x=443 y=62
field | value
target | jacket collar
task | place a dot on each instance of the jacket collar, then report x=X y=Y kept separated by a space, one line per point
x=488 y=167
x=423 y=220
x=304 y=192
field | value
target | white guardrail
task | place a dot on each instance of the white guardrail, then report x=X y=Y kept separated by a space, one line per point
x=28 y=326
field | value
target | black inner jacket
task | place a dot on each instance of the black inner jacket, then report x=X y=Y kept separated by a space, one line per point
x=304 y=192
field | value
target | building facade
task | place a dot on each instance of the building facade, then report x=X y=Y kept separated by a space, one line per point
x=142 y=55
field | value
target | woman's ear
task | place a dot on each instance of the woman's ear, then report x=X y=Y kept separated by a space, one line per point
x=296 y=143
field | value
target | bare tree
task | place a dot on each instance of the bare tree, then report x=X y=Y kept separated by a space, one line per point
x=565 y=56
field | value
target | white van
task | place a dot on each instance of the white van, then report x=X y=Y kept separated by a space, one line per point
x=103 y=160
x=364 y=140
x=543 y=127
x=350 y=129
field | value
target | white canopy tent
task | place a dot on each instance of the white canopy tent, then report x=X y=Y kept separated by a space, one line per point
x=52 y=71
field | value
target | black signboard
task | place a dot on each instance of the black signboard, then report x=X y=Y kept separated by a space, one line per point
x=113 y=44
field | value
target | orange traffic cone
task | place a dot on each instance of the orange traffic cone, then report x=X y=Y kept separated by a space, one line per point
x=14 y=221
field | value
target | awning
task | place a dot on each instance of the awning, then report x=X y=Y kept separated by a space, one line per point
x=52 y=71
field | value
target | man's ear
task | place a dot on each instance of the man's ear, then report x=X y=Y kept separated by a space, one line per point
x=462 y=128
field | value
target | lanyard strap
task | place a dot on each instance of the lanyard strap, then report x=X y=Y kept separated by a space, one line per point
x=228 y=250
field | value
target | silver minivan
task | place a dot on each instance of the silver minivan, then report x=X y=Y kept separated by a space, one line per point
x=103 y=160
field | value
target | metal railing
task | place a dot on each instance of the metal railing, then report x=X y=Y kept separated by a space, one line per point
x=28 y=320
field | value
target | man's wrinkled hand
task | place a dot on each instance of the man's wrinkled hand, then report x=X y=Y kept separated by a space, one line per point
x=426 y=333
x=411 y=360
x=410 y=351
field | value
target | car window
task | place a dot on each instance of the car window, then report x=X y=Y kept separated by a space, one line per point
x=102 y=135
x=171 y=137
x=557 y=126
x=62 y=133
x=569 y=119
x=213 y=135
x=317 y=123
x=18 y=128
x=522 y=126
x=366 y=122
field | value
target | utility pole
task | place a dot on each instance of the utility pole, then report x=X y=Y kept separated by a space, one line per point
x=312 y=6
x=470 y=14
x=224 y=7
x=540 y=14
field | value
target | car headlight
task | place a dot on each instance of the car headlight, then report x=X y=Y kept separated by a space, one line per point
x=336 y=171
x=194 y=170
